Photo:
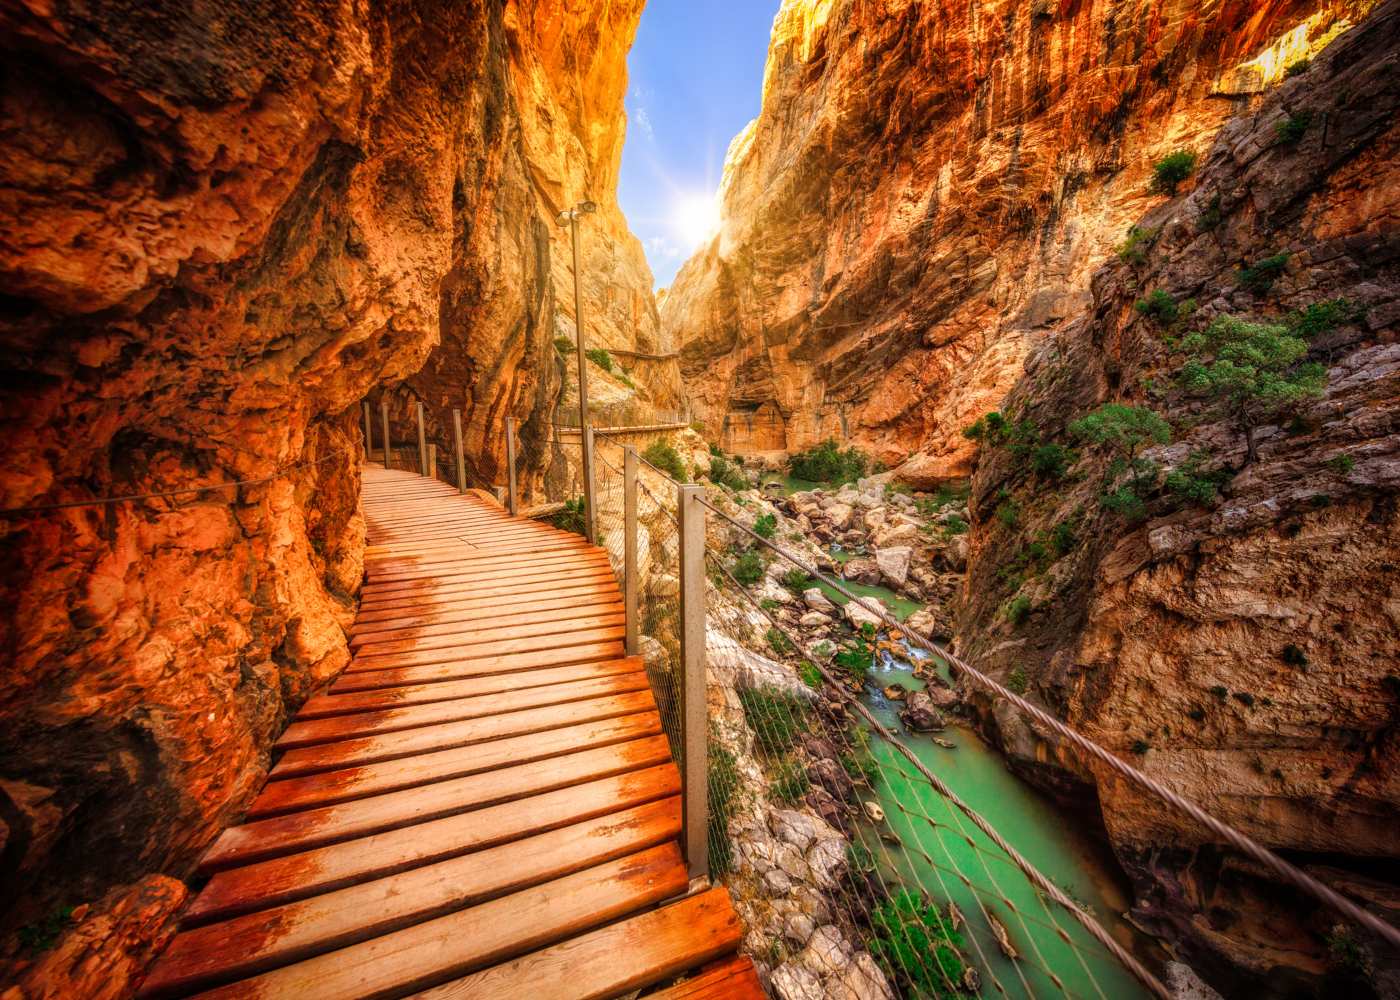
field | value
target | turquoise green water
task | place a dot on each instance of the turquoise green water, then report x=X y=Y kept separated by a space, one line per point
x=901 y=607
x=791 y=484
x=935 y=849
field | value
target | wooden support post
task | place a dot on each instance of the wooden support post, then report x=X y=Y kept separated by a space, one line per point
x=589 y=496
x=461 y=455
x=514 y=502
x=384 y=421
x=629 y=550
x=432 y=460
x=694 y=736
x=422 y=444
x=369 y=431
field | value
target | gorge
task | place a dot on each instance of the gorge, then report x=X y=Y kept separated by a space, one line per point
x=946 y=241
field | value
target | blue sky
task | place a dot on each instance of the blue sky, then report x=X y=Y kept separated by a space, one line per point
x=695 y=80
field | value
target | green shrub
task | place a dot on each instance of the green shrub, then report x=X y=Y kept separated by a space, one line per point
x=859 y=858
x=1189 y=485
x=599 y=357
x=856 y=658
x=765 y=525
x=776 y=718
x=1291 y=130
x=1140 y=747
x=950 y=493
x=571 y=518
x=990 y=427
x=1260 y=276
x=913 y=944
x=778 y=642
x=1125 y=502
x=1254 y=371
x=1244 y=698
x=1159 y=306
x=1297 y=68
x=1320 y=317
x=1171 y=170
x=810 y=675
x=828 y=463
x=790 y=782
x=954 y=526
x=44 y=933
x=663 y=455
x=1018 y=609
x=748 y=568
x=1051 y=461
x=564 y=346
x=1211 y=215
x=1133 y=250
x=1064 y=537
x=1008 y=512
x=858 y=761
x=722 y=781
x=1220 y=691
x=1016 y=681
x=723 y=473
x=797 y=581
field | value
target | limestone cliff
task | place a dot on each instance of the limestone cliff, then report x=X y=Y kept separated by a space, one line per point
x=1238 y=642
x=927 y=190
x=223 y=225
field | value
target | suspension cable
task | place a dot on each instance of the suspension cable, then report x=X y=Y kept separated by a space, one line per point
x=1241 y=841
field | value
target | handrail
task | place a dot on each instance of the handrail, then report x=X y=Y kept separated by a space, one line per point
x=1239 y=840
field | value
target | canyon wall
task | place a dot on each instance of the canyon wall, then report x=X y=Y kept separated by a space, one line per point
x=224 y=225
x=1239 y=643
x=925 y=194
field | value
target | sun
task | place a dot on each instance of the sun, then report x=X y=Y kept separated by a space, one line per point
x=696 y=218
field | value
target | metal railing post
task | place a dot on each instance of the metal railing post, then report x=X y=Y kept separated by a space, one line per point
x=694 y=736
x=384 y=420
x=461 y=455
x=629 y=550
x=590 y=508
x=369 y=430
x=422 y=444
x=510 y=465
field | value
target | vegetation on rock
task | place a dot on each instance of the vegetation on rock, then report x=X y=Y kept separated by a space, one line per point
x=663 y=455
x=1171 y=170
x=829 y=463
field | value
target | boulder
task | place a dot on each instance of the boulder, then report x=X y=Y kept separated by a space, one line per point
x=816 y=600
x=862 y=569
x=815 y=619
x=896 y=534
x=894 y=564
x=860 y=612
x=896 y=692
x=920 y=714
x=838 y=515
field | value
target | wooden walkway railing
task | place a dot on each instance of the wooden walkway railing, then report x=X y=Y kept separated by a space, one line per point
x=482 y=805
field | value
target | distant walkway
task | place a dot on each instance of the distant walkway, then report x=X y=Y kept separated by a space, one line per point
x=482 y=805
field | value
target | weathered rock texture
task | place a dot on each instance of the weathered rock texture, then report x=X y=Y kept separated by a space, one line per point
x=223 y=224
x=926 y=192
x=1245 y=652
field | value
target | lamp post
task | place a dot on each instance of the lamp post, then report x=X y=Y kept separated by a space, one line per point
x=570 y=218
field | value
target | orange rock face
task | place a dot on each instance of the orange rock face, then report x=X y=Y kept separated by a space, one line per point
x=925 y=194
x=223 y=225
x=1241 y=650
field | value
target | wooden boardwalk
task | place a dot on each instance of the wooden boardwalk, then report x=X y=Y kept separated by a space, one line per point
x=482 y=805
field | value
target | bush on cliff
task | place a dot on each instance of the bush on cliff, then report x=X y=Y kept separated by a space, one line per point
x=1171 y=170
x=725 y=473
x=663 y=455
x=829 y=463
x=914 y=944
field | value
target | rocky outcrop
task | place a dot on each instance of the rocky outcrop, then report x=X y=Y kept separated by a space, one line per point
x=927 y=190
x=1242 y=648
x=224 y=224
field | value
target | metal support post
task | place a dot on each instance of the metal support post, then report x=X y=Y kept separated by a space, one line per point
x=694 y=735
x=591 y=509
x=510 y=465
x=461 y=455
x=629 y=550
x=422 y=444
x=369 y=430
x=384 y=421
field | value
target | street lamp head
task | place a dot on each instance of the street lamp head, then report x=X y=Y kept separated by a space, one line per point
x=587 y=207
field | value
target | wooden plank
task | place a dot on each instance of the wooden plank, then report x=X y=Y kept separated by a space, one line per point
x=491 y=647
x=479 y=666
x=728 y=979
x=361 y=692
x=626 y=956
x=455 y=596
x=214 y=954
x=543 y=572
x=447 y=551
x=345 y=727
x=521 y=675
x=301 y=876
x=280 y=835
x=345 y=784
x=469 y=572
x=437 y=950
x=391 y=746
x=453 y=613
x=469 y=640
